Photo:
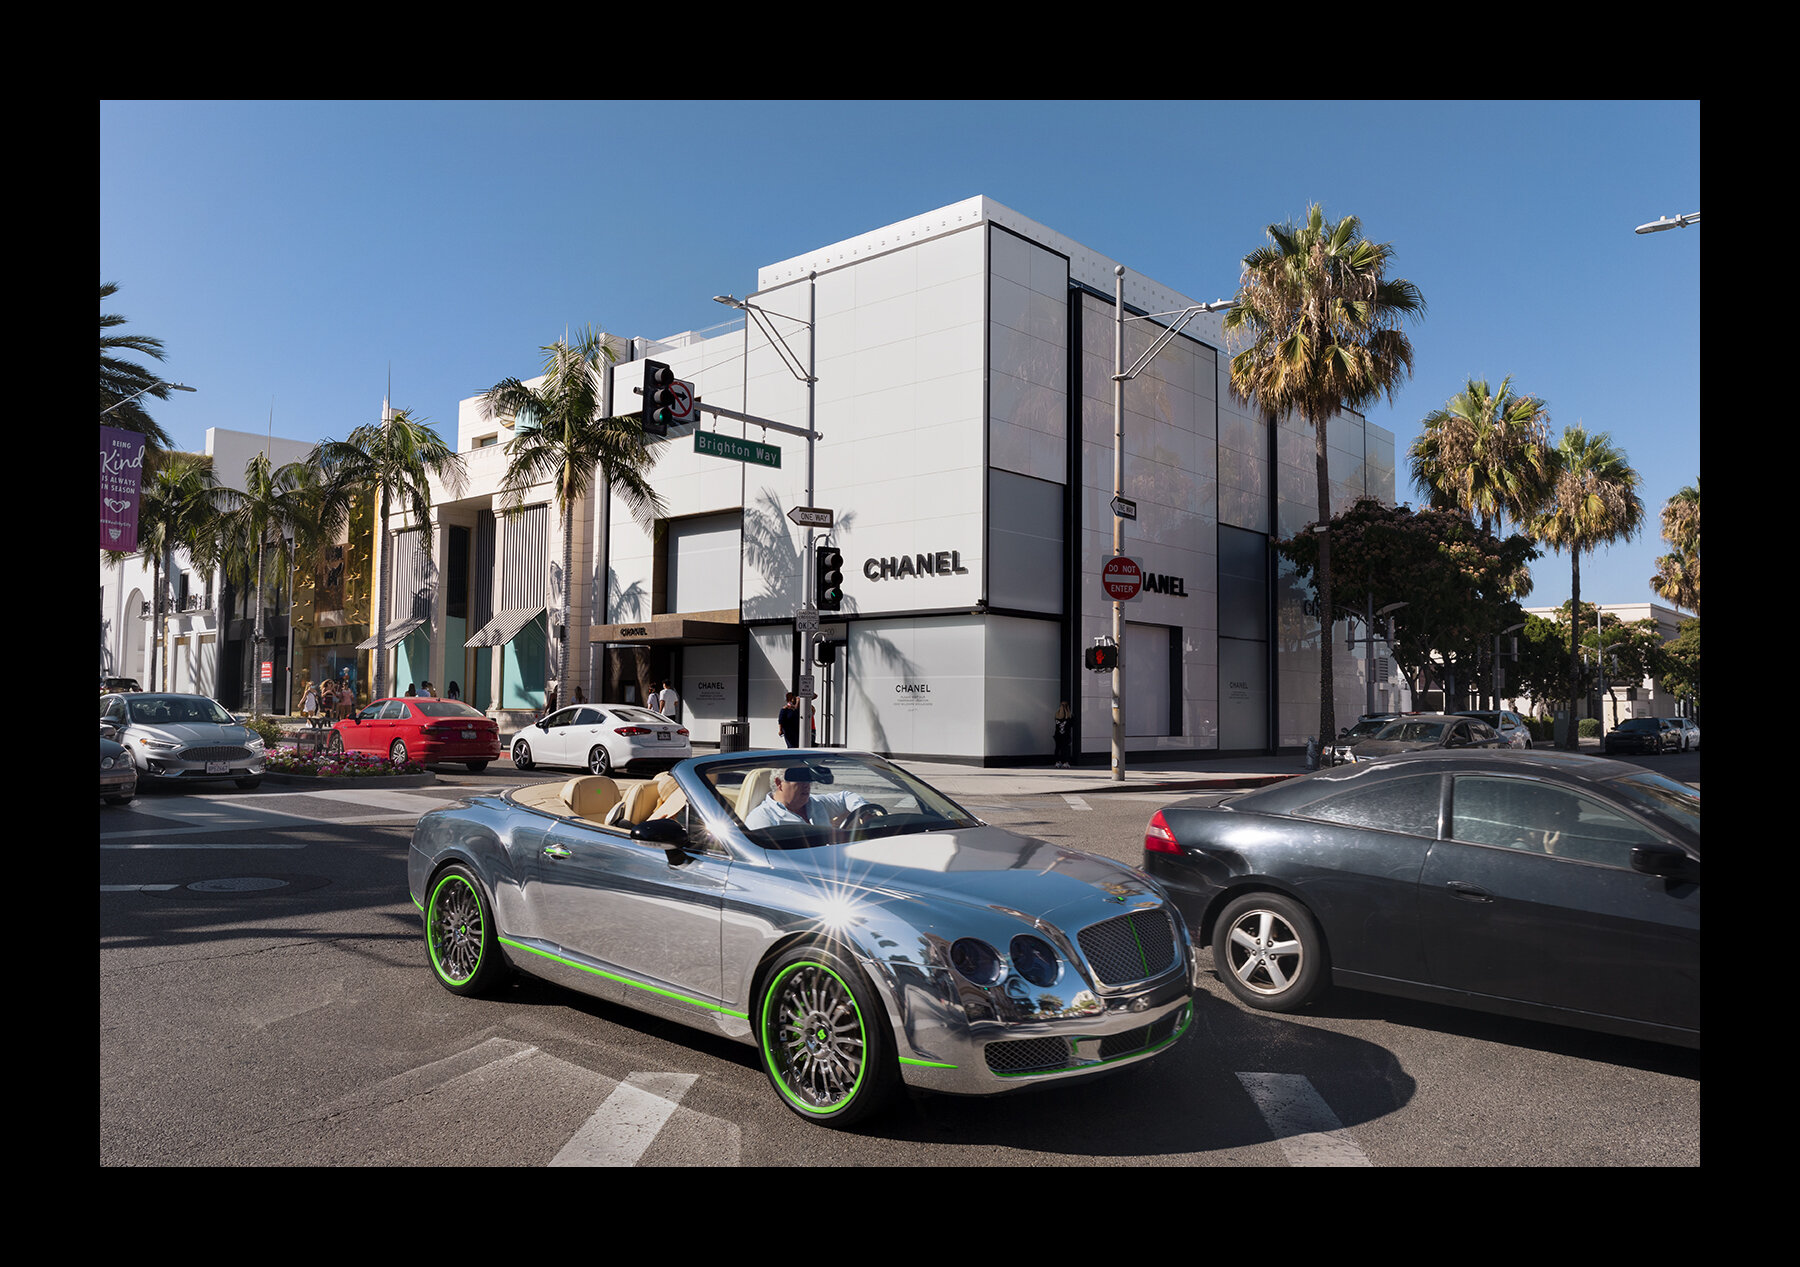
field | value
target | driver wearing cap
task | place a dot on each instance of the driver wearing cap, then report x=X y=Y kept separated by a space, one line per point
x=791 y=800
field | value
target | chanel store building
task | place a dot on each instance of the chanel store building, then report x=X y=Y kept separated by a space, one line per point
x=962 y=367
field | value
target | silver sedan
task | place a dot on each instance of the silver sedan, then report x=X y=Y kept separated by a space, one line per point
x=850 y=922
x=182 y=738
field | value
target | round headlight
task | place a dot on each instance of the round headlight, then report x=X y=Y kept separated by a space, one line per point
x=976 y=960
x=1035 y=960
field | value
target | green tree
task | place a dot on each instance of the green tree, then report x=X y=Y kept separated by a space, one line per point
x=1486 y=452
x=276 y=508
x=1321 y=322
x=1460 y=584
x=395 y=458
x=1681 y=663
x=121 y=379
x=1593 y=502
x=176 y=508
x=1678 y=572
x=562 y=437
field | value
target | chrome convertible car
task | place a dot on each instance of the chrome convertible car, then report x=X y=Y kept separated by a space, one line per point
x=1545 y=885
x=846 y=919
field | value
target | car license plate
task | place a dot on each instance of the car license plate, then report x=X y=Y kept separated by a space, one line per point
x=216 y=767
x=662 y=734
x=468 y=734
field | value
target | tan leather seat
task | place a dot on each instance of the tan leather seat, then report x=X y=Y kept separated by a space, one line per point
x=755 y=787
x=640 y=803
x=590 y=796
x=672 y=805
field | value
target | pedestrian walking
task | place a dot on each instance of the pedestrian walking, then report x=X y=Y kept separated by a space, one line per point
x=1062 y=732
x=309 y=706
x=666 y=702
x=789 y=720
x=328 y=701
x=453 y=692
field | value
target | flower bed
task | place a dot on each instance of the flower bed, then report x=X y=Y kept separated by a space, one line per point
x=336 y=765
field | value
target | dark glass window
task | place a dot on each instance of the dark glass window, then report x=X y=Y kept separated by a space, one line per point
x=1408 y=805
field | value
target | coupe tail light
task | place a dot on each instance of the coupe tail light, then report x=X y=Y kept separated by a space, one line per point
x=630 y=730
x=1158 y=838
x=681 y=730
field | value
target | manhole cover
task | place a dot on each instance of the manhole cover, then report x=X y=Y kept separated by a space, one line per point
x=247 y=884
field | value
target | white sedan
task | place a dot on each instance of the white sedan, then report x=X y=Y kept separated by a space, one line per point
x=601 y=738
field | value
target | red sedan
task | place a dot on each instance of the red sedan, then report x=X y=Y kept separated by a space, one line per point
x=420 y=729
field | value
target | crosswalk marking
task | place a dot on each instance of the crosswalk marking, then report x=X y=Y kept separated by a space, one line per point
x=627 y=1124
x=1076 y=802
x=1308 y=1132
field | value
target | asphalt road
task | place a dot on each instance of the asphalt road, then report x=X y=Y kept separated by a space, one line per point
x=264 y=1000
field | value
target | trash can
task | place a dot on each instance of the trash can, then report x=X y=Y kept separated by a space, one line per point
x=734 y=736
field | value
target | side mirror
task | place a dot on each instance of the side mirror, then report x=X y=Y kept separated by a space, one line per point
x=1665 y=861
x=670 y=835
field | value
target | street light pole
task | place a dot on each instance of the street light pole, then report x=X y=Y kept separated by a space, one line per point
x=180 y=387
x=1669 y=222
x=1120 y=375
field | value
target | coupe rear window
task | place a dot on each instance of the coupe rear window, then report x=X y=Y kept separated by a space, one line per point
x=445 y=708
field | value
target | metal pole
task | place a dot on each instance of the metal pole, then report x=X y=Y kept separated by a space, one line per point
x=1369 y=653
x=809 y=640
x=1118 y=526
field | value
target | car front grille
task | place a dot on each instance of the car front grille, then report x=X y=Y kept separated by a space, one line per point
x=1130 y=947
x=1027 y=1055
x=213 y=754
x=1142 y=1038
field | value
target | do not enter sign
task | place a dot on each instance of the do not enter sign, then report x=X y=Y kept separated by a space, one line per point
x=1121 y=578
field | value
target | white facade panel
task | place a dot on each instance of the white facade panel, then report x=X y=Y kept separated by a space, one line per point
x=918 y=686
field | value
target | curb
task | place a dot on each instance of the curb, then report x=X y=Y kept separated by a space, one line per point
x=426 y=779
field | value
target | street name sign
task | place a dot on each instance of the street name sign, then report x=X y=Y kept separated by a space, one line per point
x=1121 y=578
x=716 y=445
x=811 y=516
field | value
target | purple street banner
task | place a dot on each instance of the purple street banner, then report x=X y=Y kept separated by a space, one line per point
x=121 y=465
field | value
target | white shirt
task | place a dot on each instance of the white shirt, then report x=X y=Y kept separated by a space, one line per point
x=666 y=702
x=819 y=809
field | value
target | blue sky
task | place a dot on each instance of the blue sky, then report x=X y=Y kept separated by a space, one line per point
x=289 y=253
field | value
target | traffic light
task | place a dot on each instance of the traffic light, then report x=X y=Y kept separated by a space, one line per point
x=1102 y=659
x=826 y=652
x=658 y=399
x=828 y=577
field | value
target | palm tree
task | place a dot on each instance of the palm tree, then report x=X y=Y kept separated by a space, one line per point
x=1678 y=574
x=283 y=501
x=1322 y=326
x=393 y=458
x=176 y=508
x=560 y=435
x=1593 y=502
x=121 y=379
x=1485 y=452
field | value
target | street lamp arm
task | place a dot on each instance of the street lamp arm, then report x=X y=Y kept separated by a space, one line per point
x=180 y=387
x=1669 y=222
x=1169 y=332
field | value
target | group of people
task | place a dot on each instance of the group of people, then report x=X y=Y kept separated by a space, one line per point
x=328 y=701
x=427 y=689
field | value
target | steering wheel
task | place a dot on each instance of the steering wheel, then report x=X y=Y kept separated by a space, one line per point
x=858 y=820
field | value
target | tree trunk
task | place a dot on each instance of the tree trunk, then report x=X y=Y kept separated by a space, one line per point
x=1571 y=740
x=1327 y=713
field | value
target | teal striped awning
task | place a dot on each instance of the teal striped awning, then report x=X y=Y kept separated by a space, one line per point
x=503 y=628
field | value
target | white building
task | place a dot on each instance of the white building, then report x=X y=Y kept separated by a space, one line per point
x=1636 y=698
x=204 y=642
x=963 y=398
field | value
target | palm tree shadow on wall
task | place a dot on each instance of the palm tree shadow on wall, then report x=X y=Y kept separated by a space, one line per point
x=776 y=551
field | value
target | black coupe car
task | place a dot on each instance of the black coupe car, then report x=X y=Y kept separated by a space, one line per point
x=1537 y=884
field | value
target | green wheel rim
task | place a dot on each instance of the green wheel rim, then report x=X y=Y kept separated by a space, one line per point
x=813 y=1038
x=456 y=929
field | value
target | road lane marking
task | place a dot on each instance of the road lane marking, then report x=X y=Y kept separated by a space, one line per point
x=1076 y=802
x=624 y=1127
x=202 y=844
x=137 y=888
x=1303 y=1124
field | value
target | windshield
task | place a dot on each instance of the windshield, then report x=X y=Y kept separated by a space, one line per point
x=1663 y=797
x=1641 y=723
x=1363 y=729
x=444 y=708
x=176 y=710
x=833 y=809
x=1413 y=731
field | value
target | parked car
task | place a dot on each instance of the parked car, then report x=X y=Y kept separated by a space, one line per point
x=1690 y=733
x=1418 y=731
x=1642 y=734
x=118 y=775
x=1367 y=726
x=111 y=684
x=1505 y=723
x=420 y=728
x=874 y=934
x=182 y=738
x=602 y=738
x=1548 y=885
